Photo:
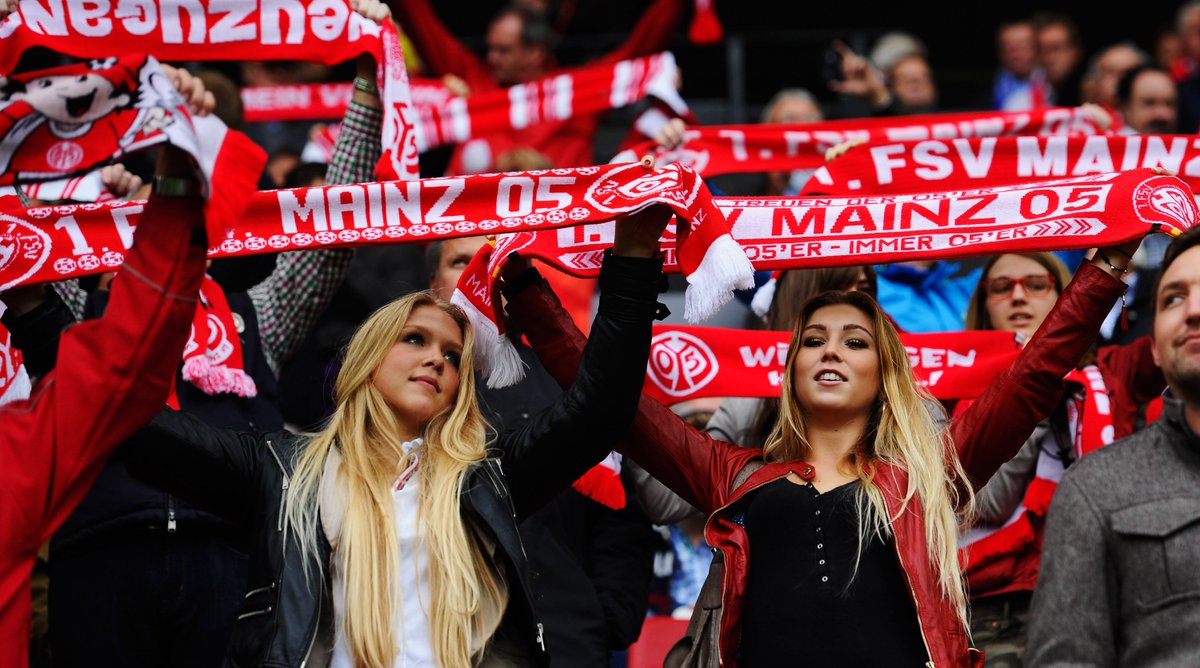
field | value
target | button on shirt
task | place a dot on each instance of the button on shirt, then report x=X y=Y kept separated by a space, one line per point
x=805 y=603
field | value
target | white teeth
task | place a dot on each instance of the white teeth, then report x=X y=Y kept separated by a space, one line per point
x=829 y=375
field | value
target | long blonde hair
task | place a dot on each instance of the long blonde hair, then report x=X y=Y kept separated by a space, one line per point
x=901 y=433
x=367 y=435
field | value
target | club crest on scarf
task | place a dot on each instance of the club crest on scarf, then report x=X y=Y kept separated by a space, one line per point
x=681 y=364
x=615 y=192
x=1163 y=201
x=212 y=357
x=23 y=250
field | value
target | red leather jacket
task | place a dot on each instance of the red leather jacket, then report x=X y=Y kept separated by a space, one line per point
x=702 y=470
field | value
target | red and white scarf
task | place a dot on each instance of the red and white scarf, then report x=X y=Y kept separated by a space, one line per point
x=713 y=262
x=962 y=163
x=326 y=31
x=690 y=362
x=560 y=97
x=730 y=149
x=52 y=243
x=1006 y=558
x=212 y=357
x=67 y=121
x=14 y=379
x=88 y=187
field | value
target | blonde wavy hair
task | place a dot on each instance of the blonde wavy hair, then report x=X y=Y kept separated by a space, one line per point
x=901 y=433
x=366 y=434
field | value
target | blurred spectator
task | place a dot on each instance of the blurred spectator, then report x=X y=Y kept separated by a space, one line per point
x=1187 y=26
x=896 y=80
x=1147 y=98
x=1060 y=52
x=1105 y=70
x=790 y=105
x=1020 y=83
x=1168 y=52
x=280 y=164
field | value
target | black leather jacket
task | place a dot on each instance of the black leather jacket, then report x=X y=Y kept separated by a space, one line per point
x=286 y=617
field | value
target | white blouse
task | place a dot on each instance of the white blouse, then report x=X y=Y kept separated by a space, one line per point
x=412 y=615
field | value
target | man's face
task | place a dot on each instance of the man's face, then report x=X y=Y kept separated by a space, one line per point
x=913 y=83
x=1151 y=106
x=74 y=99
x=456 y=255
x=1177 y=325
x=1111 y=66
x=512 y=61
x=1056 y=52
x=1018 y=49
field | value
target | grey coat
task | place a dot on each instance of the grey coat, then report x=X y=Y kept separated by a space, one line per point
x=1120 y=574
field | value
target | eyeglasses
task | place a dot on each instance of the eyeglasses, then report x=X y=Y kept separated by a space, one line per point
x=1034 y=284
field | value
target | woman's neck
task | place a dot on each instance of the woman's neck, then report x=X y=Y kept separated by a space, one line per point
x=831 y=441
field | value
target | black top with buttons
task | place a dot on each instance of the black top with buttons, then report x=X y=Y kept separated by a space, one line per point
x=805 y=604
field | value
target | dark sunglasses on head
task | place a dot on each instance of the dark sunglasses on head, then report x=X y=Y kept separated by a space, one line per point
x=1034 y=284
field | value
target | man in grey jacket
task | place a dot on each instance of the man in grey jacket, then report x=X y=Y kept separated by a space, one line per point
x=1120 y=574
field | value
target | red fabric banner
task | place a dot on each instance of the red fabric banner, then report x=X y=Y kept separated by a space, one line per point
x=583 y=90
x=691 y=362
x=731 y=149
x=325 y=101
x=948 y=164
x=326 y=31
x=51 y=243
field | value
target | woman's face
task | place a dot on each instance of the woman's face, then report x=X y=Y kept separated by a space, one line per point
x=837 y=369
x=419 y=375
x=1024 y=306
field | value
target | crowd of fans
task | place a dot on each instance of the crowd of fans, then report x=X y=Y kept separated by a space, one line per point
x=199 y=540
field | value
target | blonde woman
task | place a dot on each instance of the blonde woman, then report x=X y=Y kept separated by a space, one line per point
x=839 y=536
x=390 y=538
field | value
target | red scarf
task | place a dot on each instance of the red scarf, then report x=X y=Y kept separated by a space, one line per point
x=87 y=187
x=731 y=149
x=67 y=121
x=962 y=163
x=445 y=118
x=1004 y=559
x=702 y=249
x=52 y=243
x=327 y=31
x=212 y=358
x=14 y=380
x=688 y=362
